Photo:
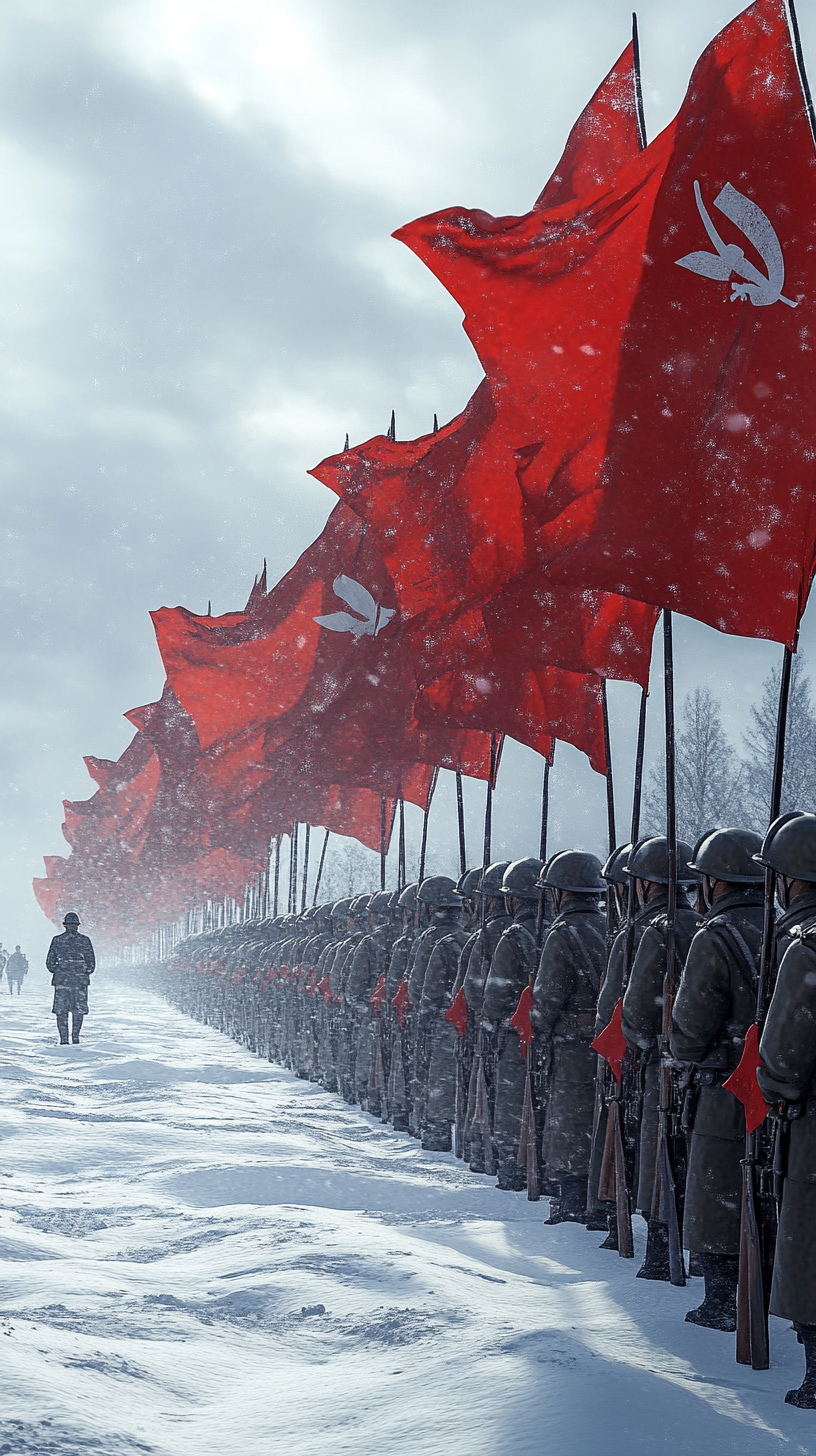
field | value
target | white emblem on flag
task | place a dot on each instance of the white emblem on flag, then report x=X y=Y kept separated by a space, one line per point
x=372 y=617
x=761 y=288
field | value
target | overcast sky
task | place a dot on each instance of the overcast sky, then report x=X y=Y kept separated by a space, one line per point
x=199 y=295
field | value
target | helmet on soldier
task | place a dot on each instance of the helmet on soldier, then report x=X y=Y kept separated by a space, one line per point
x=439 y=891
x=491 y=881
x=614 y=871
x=649 y=860
x=789 y=847
x=380 y=904
x=71 y=918
x=520 y=879
x=729 y=855
x=575 y=871
x=468 y=883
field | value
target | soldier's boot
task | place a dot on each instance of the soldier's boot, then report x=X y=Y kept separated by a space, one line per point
x=62 y=1028
x=476 y=1159
x=569 y=1206
x=437 y=1137
x=656 y=1263
x=718 y=1310
x=400 y=1120
x=611 y=1240
x=76 y=1027
x=596 y=1219
x=805 y=1396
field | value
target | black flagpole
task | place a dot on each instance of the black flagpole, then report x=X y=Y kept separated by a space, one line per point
x=382 y=841
x=424 y=846
x=545 y=804
x=610 y=790
x=320 y=866
x=305 y=867
x=488 y=823
x=293 y=868
x=401 y=874
x=639 y=113
x=460 y=811
x=278 y=838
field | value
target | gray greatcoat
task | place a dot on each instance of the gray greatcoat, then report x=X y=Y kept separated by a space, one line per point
x=715 y=1005
x=513 y=962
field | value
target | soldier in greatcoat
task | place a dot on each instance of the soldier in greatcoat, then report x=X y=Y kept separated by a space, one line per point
x=713 y=1009
x=72 y=962
x=565 y=997
x=787 y=1077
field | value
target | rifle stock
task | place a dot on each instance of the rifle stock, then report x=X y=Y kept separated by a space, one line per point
x=753 y=1345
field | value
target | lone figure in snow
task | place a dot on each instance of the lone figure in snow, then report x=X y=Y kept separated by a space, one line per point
x=16 y=970
x=71 y=962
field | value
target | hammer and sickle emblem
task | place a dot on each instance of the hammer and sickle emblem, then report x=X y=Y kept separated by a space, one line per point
x=372 y=617
x=761 y=288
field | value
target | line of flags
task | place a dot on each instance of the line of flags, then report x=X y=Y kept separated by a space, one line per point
x=644 y=437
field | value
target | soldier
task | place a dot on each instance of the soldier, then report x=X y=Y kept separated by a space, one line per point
x=368 y=964
x=16 y=969
x=643 y=1012
x=474 y=964
x=71 y=962
x=512 y=964
x=787 y=1077
x=715 y=1005
x=618 y=885
x=565 y=997
x=440 y=907
x=397 y=1032
x=440 y=1038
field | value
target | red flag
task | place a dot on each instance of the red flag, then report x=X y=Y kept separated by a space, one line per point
x=611 y=1042
x=520 y=1020
x=402 y=1002
x=716 y=385
x=457 y=1014
x=378 y=994
x=744 y=1085
x=332 y=690
x=324 y=987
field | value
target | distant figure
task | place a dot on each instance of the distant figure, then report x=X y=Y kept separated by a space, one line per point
x=4 y=955
x=16 y=970
x=71 y=962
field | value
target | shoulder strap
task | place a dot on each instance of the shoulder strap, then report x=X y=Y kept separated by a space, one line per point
x=593 y=975
x=747 y=961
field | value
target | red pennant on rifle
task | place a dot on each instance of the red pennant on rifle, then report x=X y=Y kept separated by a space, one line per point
x=325 y=990
x=457 y=1015
x=611 y=1042
x=378 y=994
x=744 y=1085
x=520 y=1020
x=401 y=1002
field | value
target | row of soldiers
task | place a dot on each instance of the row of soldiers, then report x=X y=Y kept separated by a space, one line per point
x=465 y=1014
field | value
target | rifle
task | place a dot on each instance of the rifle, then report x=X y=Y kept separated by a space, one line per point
x=669 y=1184
x=528 y=1140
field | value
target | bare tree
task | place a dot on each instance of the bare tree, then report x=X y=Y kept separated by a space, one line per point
x=350 y=869
x=799 y=779
x=707 y=776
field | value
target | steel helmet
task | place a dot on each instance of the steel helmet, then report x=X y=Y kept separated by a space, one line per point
x=649 y=860
x=730 y=855
x=380 y=904
x=71 y=918
x=614 y=871
x=468 y=883
x=574 y=870
x=408 y=897
x=520 y=879
x=491 y=881
x=439 y=890
x=341 y=909
x=789 y=846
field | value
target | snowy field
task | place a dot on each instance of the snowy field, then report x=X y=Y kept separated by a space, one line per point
x=203 y=1255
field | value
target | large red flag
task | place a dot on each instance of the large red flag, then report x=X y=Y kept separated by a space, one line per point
x=318 y=666
x=707 y=500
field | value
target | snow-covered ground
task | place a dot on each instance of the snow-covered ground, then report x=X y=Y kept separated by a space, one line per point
x=204 y=1255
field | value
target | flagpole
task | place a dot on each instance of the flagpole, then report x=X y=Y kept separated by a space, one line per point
x=320 y=866
x=382 y=841
x=305 y=867
x=424 y=846
x=293 y=867
x=803 y=76
x=488 y=823
x=460 y=811
x=278 y=838
x=401 y=874
x=545 y=804
x=610 y=790
x=639 y=113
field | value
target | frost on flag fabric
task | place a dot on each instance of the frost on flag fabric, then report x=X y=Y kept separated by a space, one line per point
x=706 y=502
x=318 y=667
